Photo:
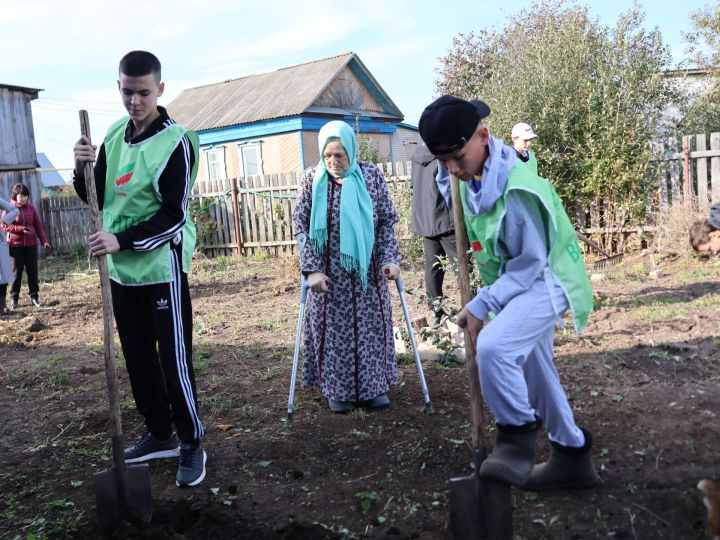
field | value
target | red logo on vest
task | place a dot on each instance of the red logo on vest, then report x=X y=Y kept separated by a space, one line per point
x=124 y=179
x=477 y=246
x=124 y=175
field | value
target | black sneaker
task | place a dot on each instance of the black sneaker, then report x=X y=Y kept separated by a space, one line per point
x=148 y=447
x=13 y=303
x=191 y=470
x=36 y=302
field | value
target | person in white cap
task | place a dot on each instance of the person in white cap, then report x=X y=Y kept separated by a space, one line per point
x=522 y=137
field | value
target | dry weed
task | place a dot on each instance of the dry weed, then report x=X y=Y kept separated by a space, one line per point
x=289 y=270
x=674 y=225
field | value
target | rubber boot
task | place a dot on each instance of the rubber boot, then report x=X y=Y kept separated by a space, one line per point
x=341 y=407
x=568 y=467
x=513 y=456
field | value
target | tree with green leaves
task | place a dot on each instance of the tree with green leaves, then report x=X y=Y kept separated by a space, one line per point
x=703 y=113
x=704 y=39
x=593 y=94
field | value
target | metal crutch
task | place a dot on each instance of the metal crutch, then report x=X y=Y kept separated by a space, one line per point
x=426 y=395
x=298 y=334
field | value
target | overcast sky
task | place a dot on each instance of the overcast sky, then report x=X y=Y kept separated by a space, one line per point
x=71 y=48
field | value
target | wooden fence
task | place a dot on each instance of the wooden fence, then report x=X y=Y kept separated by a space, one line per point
x=244 y=215
x=67 y=223
x=234 y=216
x=683 y=173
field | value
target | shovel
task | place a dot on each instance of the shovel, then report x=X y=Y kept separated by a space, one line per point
x=478 y=508
x=124 y=490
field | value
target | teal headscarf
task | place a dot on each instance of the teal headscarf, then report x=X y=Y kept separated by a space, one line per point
x=357 y=233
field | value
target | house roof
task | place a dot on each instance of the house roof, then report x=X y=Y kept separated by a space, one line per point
x=50 y=177
x=32 y=91
x=689 y=72
x=285 y=92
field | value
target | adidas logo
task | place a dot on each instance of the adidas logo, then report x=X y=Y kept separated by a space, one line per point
x=162 y=304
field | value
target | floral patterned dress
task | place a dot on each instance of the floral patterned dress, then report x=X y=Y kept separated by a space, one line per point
x=348 y=349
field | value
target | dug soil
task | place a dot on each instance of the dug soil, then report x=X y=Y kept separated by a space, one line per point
x=643 y=379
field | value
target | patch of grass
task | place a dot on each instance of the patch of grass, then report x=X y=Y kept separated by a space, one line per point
x=127 y=403
x=653 y=315
x=59 y=378
x=275 y=322
x=58 y=518
x=216 y=403
x=250 y=416
x=708 y=300
x=271 y=372
x=94 y=447
x=366 y=499
x=259 y=255
x=256 y=347
x=95 y=346
x=405 y=358
x=11 y=506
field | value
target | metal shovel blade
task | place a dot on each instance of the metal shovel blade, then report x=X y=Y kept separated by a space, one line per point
x=480 y=508
x=466 y=521
x=136 y=500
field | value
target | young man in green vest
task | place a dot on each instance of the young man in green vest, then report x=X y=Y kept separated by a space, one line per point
x=144 y=174
x=532 y=271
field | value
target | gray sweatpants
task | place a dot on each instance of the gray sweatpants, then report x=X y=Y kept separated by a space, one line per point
x=515 y=359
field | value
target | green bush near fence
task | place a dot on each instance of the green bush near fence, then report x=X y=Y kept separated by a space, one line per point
x=411 y=246
x=203 y=218
x=595 y=95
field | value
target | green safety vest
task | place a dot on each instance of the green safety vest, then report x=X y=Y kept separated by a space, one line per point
x=531 y=163
x=131 y=197
x=565 y=258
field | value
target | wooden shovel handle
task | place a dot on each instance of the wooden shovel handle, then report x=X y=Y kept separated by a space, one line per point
x=463 y=247
x=108 y=353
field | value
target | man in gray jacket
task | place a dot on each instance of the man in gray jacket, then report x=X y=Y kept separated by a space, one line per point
x=433 y=220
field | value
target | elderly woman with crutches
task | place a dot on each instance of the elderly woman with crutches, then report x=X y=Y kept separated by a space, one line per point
x=344 y=220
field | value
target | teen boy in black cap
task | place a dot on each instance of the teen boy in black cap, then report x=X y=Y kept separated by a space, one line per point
x=532 y=271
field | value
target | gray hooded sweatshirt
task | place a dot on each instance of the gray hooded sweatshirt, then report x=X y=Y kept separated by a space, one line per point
x=522 y=242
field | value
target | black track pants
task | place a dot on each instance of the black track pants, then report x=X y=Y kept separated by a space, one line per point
x=155 y=327
x=24 y=259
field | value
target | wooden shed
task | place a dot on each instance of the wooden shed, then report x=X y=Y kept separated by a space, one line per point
x=18 y=158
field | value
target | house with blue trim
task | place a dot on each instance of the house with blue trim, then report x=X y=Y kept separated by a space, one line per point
x=268 y=123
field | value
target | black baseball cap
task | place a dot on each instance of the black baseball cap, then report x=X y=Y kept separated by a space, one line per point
x=449 y=122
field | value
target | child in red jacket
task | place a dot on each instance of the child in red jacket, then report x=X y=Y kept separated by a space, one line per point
x=23 y=234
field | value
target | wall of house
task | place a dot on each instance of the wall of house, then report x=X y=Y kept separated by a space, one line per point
x=281 y=153
x=310 y=148
x=278 y=154
x=346 y=91
x=404 y=143
x=17 y=138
